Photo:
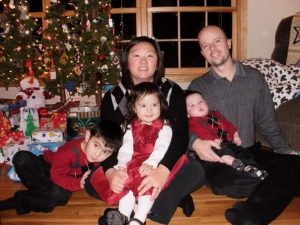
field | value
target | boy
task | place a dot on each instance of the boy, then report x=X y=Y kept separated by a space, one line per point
x=211 y=125
x=50 y=179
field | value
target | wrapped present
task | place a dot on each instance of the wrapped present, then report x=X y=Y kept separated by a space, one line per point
x=14 y=108
x=80 y=119
x=40 y=148
x=47 y=135
x=59 y=120
x=11 y=137
x=1 y=156
x=4 y=109
x=11 y=173
x=11 y=149
x=29 y=120
x=4 y=125
x=45 y=122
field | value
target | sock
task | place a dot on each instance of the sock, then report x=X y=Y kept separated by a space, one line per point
x=9 y=203
x=126 y=204
x=238 y=165
x=187 y=205
x=144 y=206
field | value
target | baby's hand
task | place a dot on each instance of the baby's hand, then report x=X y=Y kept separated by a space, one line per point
x=145 y=169
x=236 y=139
x=82 y=180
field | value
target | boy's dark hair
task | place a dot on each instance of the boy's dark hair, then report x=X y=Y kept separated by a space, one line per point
x=190 y=92
x=111 y=133
x=140 y=90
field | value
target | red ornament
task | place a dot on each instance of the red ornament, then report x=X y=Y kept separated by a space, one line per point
x=101 y=56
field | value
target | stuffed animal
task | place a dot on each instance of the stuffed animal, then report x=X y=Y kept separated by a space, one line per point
x=36 y=100
x=27 y=85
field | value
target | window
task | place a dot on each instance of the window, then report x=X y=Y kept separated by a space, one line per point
x=175 y=25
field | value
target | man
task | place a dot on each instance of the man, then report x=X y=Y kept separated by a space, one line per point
x=241 y=94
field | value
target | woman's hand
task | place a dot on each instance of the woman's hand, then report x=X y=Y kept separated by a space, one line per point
x=82 y=180
x=204 y=151
x=156 y=180
x=116 y=179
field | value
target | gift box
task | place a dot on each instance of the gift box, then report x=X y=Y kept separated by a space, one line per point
x=29 y=118
x=80 y=119
x=11 y=149
x=59 y=120
x=4 y=109
x=4 y=125
x=13 y=175
x=40 y=148
x=47 y=135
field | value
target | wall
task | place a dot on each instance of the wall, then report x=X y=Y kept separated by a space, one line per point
x=263 y=18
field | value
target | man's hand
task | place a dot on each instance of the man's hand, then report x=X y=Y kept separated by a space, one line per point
x=237 y=139
x=156 y=180
x=204 y=151
x=116 y=179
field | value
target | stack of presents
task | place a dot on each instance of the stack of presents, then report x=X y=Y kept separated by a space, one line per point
x=26 y=124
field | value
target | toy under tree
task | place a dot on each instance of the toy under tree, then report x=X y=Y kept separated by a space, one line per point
x=18 y=42
x=80 y=53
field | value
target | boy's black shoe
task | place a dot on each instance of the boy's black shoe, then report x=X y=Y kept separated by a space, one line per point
x=187 y=205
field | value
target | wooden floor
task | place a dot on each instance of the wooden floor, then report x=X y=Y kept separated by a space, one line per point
x=84 y=210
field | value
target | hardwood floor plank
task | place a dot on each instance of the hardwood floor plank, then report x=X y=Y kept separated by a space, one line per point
x=85 y=210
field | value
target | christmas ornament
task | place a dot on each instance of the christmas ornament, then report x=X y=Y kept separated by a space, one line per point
x=24 y=10
x=77 y=70
x=70 y=86
x=64 y=59
x=11 y=4
x=103 y=39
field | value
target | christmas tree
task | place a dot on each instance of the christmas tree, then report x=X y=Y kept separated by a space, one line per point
x=19 y=42
x=79 y=48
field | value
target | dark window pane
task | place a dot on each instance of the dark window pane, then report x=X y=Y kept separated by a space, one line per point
x=165 y=25
x=191 y=23
x=218 y=2
x=67 y=4
x=191 y=2
x=170 y=51
x=125 y=27
x=123 y=3
x=223 y=20
x=35 y=6
x=190 y=55
x=38 y=32
x=164 y=3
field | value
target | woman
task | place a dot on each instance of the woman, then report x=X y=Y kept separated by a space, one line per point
x=143 y=62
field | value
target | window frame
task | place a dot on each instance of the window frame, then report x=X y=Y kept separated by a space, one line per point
x=144 y=12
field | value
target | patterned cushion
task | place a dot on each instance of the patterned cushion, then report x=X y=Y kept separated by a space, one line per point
x=283 y=81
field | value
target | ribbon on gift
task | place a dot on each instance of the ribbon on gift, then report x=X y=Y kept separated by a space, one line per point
x=88 y=124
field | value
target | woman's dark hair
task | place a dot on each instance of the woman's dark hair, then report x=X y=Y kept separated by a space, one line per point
x=160 y=71
x=141 y=90
x=111 y=133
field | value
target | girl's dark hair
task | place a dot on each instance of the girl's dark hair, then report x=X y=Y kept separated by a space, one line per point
x=139 y=91
x=111 y=133
x=126 y=76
